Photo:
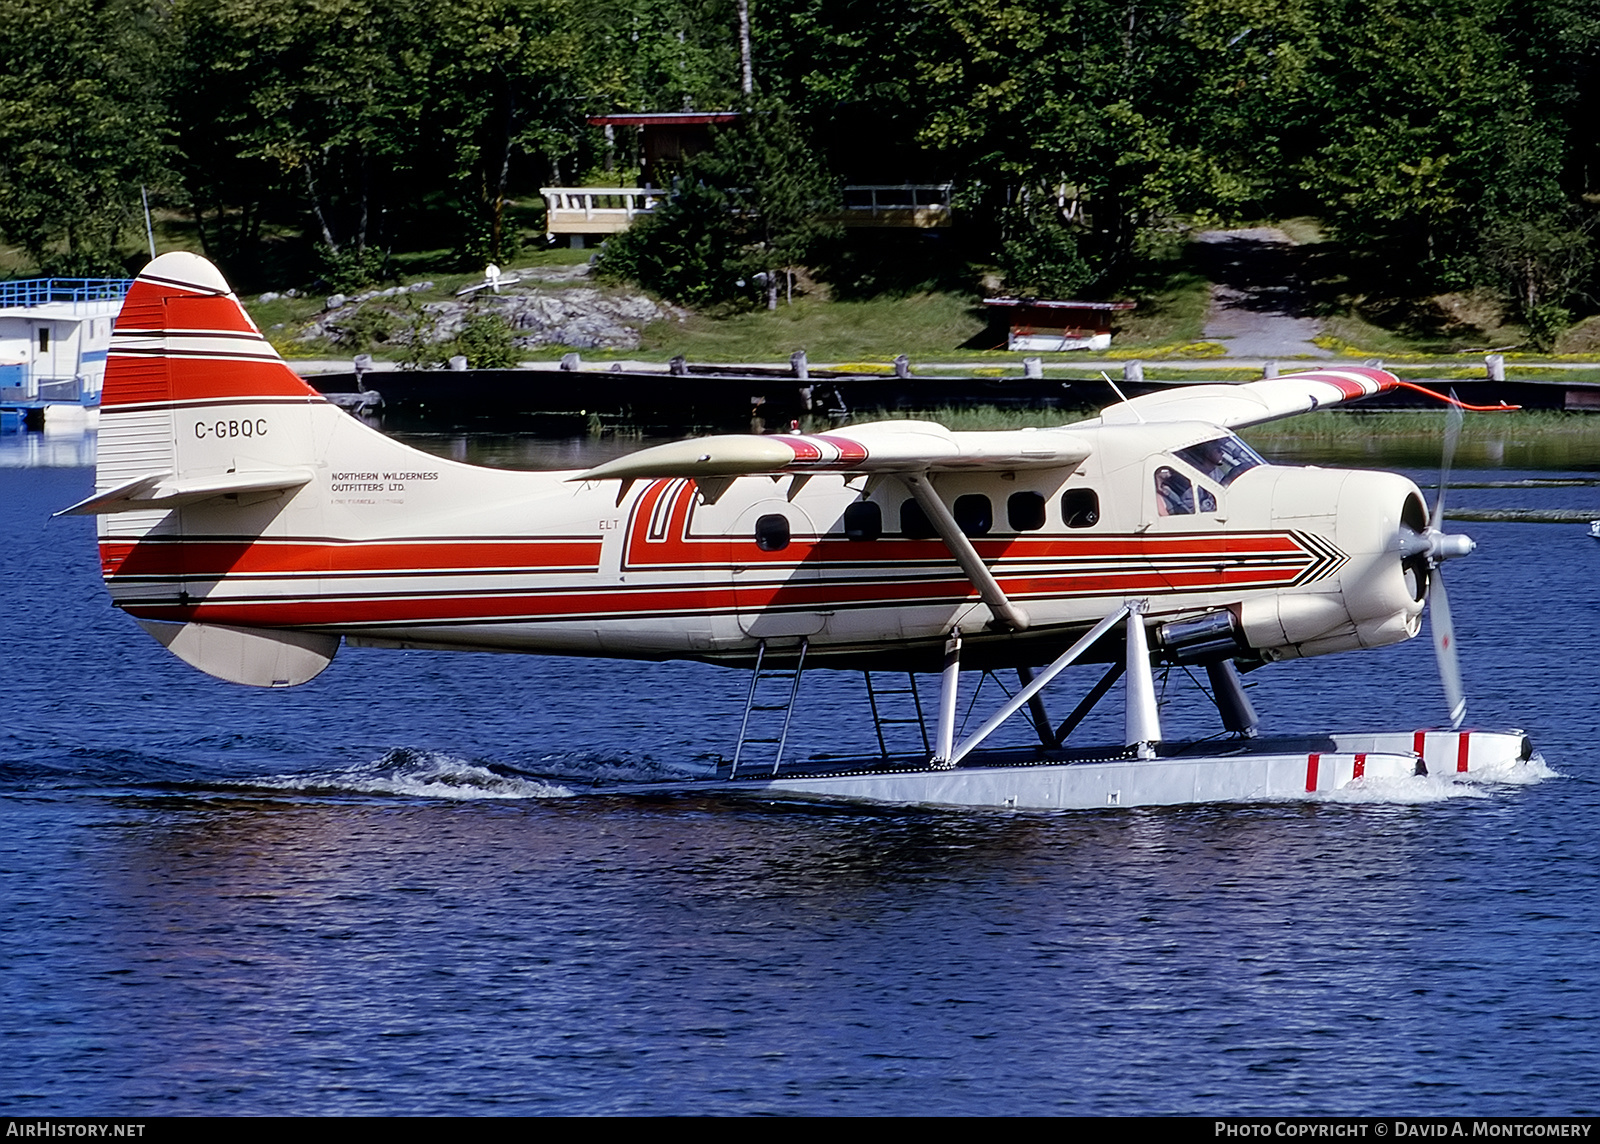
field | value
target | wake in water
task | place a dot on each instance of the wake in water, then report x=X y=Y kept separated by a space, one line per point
x=413 y=773
x=1440 y=787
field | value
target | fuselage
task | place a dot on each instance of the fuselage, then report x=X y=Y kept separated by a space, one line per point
x=390 y=545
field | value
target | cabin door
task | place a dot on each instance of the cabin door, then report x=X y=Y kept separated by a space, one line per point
x=777 y=582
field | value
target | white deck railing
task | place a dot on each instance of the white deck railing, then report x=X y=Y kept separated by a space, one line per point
x=607 y=210
x=597 y=210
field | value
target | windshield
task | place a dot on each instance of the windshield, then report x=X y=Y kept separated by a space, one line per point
x=1221 y=460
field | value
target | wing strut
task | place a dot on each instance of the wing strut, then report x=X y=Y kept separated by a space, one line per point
x=1007 y=616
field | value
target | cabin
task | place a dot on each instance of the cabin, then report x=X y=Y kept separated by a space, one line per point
x=54 y=334
x=1039 y=326
x=668 y=138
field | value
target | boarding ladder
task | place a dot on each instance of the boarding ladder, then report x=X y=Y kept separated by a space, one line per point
x=764 y=703
x=879 y=697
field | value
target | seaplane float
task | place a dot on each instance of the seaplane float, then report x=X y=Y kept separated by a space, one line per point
x=251 y=527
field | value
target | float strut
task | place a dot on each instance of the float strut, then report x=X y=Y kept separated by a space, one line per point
x=1143 y=721
x=944 y=748
x=1020 y=699
x=1096 y=693
x=1037 y=712
x=1232 y=703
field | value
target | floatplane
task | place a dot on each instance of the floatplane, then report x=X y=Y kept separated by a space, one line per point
x=251 y=526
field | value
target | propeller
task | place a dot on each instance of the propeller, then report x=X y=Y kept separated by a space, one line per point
x=1429 y=550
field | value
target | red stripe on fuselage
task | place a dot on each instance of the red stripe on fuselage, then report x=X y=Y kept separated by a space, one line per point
x=678 y=546
x=213 y=559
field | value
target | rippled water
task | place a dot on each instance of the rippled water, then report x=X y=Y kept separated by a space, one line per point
x=391 y=892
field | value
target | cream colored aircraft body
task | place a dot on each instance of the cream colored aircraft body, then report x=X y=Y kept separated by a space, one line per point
x=250 y=525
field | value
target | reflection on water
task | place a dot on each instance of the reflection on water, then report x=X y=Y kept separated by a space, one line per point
x=388 y=892
x=68 y=449
x=1518 y=447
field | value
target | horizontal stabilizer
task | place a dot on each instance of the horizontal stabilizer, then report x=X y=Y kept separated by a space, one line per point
x=163 y=490
x=255 y=656
x=880 y=447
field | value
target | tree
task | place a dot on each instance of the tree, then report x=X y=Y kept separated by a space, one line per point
x=752 y=206
x=499 y=89
x=81 y=127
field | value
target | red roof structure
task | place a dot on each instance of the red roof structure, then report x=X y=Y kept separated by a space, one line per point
x=667 y=138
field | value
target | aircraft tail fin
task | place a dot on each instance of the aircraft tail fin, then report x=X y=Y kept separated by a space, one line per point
x=205 y=433
x=185 y=363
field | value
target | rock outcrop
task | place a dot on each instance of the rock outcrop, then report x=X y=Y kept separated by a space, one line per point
x=547 y=307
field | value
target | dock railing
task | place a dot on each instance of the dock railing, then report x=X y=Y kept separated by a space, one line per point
x=38 y=291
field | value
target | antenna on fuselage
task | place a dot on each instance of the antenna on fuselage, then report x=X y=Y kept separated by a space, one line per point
x=1122 y=395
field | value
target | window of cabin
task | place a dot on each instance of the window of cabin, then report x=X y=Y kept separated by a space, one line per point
x=1208 y=499
x=914 y=523
x=1222 y=460
x=1174 y=492
x=44 y=340
x=1080 y=508
x=863 y=521
x=974 y=514
x=772 y=532
x=1025 y=511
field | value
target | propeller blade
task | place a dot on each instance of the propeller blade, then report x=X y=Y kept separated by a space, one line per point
x=1444 y=648
x=1452 y=434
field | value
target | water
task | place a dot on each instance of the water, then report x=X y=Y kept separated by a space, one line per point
x=389 y=892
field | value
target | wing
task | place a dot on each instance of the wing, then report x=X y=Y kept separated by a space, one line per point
x=922 y=446
x=1250 y=403
x=877 y=447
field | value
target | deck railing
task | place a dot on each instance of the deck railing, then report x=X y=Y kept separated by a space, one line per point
x=597 y=210
x=607 y=210
x=38 y=291
x=906 y=204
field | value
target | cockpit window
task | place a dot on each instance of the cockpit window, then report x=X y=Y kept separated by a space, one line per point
x=1174 y=492
x=1222 y=460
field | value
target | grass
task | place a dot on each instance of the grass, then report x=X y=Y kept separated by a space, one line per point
x=979 y=417
x=876 y=330
x=1336 y=427
x=1171 y=315
x=1357 y=425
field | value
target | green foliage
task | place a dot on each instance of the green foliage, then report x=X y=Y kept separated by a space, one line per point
x=755 y=204
x=346 y=271
x=81 y=127
x=1040 y=253
x=485 y=341
x=688 y=250
x=1538 y=262
x=371 y=325
x=1449 y=143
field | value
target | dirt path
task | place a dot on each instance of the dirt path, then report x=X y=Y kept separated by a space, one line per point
x=1258 y=308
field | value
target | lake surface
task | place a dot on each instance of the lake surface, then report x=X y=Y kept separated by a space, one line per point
x=388 y=892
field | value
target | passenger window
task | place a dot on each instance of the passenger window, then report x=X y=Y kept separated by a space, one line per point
x=772 y=532
x=974 y=514
x=1208 y=500
x=1080 y=508
x=914 y=523
x=863 y=521
x=1174 y=493
x=1025 y=511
